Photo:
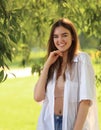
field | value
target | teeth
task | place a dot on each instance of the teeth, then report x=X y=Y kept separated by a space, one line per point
x=61 y=45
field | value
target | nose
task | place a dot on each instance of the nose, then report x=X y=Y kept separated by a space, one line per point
x=60 y=39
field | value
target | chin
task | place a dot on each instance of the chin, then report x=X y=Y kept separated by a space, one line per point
x=64 y=51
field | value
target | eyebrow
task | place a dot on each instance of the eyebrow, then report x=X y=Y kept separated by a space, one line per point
x=65 y=33
x=61 y=34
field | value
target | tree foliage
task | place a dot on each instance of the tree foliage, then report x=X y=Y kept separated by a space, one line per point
x=29 y=21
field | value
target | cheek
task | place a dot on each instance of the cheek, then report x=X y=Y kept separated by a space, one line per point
x=69 y=40
x=55 y=42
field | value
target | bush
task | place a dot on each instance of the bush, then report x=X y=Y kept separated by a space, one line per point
x=38 y=65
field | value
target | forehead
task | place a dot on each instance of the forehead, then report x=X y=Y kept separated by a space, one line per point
x=60 y=30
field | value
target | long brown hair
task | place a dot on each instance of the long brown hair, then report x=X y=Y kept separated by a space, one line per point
x=66 y=23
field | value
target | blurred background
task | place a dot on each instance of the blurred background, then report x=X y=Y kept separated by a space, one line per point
x=24 y=31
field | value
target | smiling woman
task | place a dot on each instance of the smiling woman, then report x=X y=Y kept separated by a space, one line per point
x=66 y=84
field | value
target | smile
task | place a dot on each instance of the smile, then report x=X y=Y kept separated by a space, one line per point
x=61 y=45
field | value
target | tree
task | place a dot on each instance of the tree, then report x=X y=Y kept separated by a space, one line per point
x=28 y=22
x=10 y=33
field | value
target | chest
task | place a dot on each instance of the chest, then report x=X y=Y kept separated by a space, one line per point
x=59 y=87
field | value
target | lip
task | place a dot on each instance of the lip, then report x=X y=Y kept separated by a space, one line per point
x=61 y=45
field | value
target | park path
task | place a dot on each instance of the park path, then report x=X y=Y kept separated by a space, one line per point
x=21 y=72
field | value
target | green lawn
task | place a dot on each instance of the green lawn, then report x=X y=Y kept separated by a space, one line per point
x=18 y=111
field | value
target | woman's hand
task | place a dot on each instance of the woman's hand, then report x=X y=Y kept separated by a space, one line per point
x=39 y=91
x=53 y=57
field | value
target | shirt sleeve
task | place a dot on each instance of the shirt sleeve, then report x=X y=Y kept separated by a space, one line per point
x=86 y=79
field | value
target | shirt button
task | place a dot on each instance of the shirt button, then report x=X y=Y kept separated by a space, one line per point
x=57 y=117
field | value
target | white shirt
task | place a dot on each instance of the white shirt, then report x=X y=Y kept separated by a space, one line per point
x=79 y=85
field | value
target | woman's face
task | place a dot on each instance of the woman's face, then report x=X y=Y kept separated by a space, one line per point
x=62 y=38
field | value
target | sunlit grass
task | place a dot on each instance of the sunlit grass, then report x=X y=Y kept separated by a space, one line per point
x=17 y=60
x=18 y=111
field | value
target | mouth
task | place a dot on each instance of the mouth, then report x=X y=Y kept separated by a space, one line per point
x=61 y=44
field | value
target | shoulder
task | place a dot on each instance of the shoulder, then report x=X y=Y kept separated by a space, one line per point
x=83 y=57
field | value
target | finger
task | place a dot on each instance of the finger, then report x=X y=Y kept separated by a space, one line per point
x=58 y=52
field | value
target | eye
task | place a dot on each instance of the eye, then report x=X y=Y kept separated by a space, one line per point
x=55 y=36
x=65 y=35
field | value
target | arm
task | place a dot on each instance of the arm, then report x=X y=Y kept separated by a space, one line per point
x=86 y=82
x=82 y=114
x=39 y=91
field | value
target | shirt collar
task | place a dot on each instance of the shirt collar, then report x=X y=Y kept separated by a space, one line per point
x=75 y=59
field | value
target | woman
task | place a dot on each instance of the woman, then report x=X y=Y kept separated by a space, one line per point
x=66 y=84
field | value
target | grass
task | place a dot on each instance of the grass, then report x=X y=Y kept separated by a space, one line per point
x=17 y=60
x=18 y=110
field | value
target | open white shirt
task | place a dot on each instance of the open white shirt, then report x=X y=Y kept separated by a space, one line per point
x=79 y=85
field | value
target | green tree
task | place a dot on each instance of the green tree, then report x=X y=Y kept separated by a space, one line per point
x=27 y=23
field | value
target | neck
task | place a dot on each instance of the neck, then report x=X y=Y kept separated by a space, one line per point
x=64 y=63
x=64 y=58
